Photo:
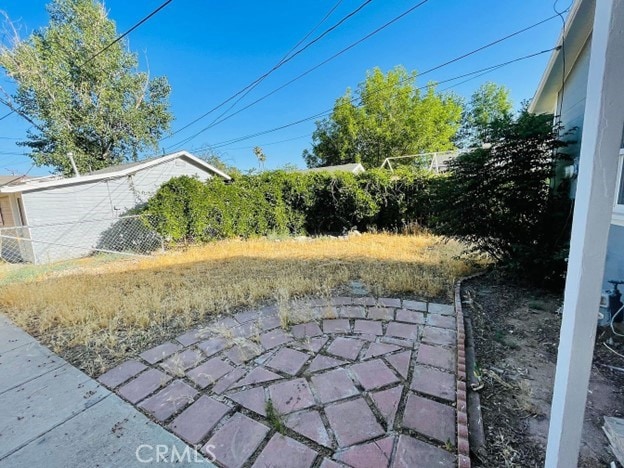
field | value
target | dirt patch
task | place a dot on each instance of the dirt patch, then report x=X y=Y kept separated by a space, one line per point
x=516 y=330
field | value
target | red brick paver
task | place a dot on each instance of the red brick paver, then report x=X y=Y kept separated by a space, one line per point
x=236 y=441
x=291 y=396
x=288 y=361
x=430 y=418
x=196 y=421
x=284 y=452
x=333 y=385
x=352 y=422
x=169 y=400
x=373 y=374
x=122 y=373
x=373 y=454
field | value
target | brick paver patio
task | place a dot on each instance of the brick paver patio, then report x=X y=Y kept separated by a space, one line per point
x=365 y=383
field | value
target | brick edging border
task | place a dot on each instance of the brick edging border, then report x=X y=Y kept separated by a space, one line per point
x=463 y=442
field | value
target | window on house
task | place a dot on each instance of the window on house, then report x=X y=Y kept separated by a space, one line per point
x=1 y=217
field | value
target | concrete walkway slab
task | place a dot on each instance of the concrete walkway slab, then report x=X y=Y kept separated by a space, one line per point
x=12 y=337
x=54 y=415
x=111 y=433
x=29 y=361
x=32 y=409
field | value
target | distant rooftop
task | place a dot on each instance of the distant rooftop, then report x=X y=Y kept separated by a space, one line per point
x=12 y=179
x=355 y=168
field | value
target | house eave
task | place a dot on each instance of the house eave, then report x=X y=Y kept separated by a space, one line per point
x=574 y=36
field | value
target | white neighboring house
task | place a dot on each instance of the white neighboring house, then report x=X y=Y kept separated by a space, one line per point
x=57 y=218
x=567 y=97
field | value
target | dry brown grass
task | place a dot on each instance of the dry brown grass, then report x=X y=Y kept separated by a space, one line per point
x=96 y=315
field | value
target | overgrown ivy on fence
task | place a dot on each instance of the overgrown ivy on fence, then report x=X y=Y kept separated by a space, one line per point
x=282 y=203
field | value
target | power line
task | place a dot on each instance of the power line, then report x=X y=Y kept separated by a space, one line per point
x=359 y=41
x=327 y=112
x=472 y=52
x=289 y=56
x=119 y=38
x=270 y=143
x=281 y=62
x=6 y=115
x=437 y=67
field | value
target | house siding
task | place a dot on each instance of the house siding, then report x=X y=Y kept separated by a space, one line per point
x=68 y=221
x=572 y=115
x=573 y=108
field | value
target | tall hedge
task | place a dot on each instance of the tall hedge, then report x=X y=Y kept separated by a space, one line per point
x=506 y=201
x=278 y=202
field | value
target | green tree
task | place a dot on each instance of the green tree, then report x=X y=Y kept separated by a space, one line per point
x=387 y=116
x=490 y=107
x=79 y=97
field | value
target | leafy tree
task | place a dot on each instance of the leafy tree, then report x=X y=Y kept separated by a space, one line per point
x=502 y=199
x=80 y=93
x=489 y=107
x=387 y=116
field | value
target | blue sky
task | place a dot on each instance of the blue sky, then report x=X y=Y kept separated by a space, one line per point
x=209 y=50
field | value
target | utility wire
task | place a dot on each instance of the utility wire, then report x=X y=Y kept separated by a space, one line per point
x=456 y=59
x=119 y=38
x=509 y=36
x=283 y=61
x=329 y=111
x=437 y=67
x=270 y=143
x=359 y=41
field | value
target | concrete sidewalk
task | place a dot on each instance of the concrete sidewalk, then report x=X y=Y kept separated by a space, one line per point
x=53 y=415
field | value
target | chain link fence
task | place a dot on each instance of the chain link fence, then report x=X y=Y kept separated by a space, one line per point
x=126 y=235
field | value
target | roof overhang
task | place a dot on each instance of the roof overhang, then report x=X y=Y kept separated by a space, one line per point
x=33 y=185
x=577 y=30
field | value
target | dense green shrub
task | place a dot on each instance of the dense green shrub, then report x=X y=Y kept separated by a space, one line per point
x=278 y=202
x=504 y=201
